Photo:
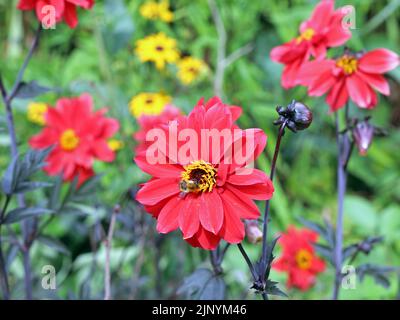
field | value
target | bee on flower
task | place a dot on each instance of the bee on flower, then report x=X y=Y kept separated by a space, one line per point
x=189 y=69
x=208 y=196
x=157 y=48
x=153 y=10
x=37 y=112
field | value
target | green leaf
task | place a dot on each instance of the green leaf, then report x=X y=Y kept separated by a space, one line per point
x=31 y=90
x=214 y=289
x=19 y=214
x=10 y=177
x=31 y=185
x=54 y=244
x=194 y=285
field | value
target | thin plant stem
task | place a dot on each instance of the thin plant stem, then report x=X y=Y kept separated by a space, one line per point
x=108 y=245
x=343 y=158
x=3 y=269
x=7 y=98
x=267 y=203
x=248 y=261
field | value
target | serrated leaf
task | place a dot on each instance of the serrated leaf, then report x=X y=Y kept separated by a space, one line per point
x=272 y=289
x=325 y=251
x=19 y=214
x=9 y=179
x=31 y=90
x=31 y=185
x=378 y=273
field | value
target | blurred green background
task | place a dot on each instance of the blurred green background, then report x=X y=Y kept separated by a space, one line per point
x=98 y=57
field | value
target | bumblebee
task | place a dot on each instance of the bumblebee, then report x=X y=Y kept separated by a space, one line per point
x=187 y=186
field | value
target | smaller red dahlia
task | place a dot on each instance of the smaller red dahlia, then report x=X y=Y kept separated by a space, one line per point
x=353 y=75
x=298 y=258
x=64 y=9
x=324 y=29
x=79 y=136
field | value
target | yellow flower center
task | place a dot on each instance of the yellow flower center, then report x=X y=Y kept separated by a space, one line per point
x=69 y=140
x=348 y=64
x=306 y=35
x=199 y=176
x=303 y=259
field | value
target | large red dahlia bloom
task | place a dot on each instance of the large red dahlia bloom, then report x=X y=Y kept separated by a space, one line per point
x=324 y=29
x=207 y=193
x=79 y=136
x=64 y=9
x=353 y=75
x=298 y=258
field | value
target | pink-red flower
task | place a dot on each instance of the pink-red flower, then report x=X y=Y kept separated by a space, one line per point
x=78 y=135
x=352 y=75
x=64 y=9
x=149 y=122
x=298 y=258
x=324 y=29
x=205 y=194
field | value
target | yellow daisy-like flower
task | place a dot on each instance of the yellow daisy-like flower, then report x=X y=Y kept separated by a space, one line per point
x=189 y=69
x=115 y=144
x=148 y=103
x=37 y=112
x=152 y=10
x=157 y=48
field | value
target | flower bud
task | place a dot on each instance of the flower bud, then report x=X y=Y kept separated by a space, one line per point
x=363 y=133
x=253 y=233
x=296 y=115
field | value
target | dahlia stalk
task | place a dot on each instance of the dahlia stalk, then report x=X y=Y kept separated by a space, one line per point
x=8 y=97
x=345 y=148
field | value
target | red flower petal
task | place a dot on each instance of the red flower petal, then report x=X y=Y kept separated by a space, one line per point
x=242 y=205
x=233 y=228
x=70 y=15
x=378 y=61
x=26 y=4
x=338 y=95
x=156 y=190
x=212 y=212
x=204 y=239
x=189 y=222
x=158 y=170
x=377 y=81
x=358 y=91
x=167 y=220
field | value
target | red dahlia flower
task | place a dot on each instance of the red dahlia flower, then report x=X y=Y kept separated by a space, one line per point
x=353 y=75
x=298 y=258
x=79 y=136
x=64 y=9
x=207 y=194
x=149 y=122
x=324 y=29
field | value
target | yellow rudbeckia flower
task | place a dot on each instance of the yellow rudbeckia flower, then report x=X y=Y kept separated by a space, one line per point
x=152 y=10
x=157 y=48
x=37 y=112
x=189 y=69
x=148 y=103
